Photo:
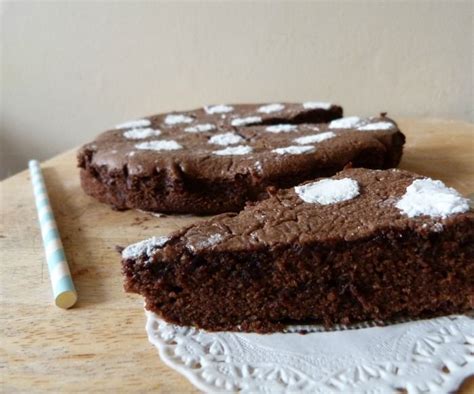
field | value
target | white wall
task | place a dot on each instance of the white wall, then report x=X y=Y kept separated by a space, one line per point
x=72 y=69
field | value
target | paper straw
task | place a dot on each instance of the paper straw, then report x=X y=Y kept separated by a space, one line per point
x=65 y=295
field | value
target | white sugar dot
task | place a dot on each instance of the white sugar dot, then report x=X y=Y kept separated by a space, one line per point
x=234 y=150
x=294 y=150
x=328 y=191
x=281 y=128
x=316 y=105
x=432 y=198
x=209 y=242
x=225 y=139
x=218 y=109
x=146 y=247
x=134 y=124
x=246 y=121
x=346 y=123
x=377 y=126
x=267 y=109
x=177 y=119
x=159 y=145
x=138 y=134
x=200 y=128
x=213 y=240
x=314 y=138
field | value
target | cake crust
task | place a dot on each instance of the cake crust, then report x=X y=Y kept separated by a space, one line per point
x=213 y=164
x=353 y=255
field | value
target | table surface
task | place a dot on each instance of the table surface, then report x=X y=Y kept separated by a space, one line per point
x=101 y=343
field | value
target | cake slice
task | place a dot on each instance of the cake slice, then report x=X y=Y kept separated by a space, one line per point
x=215 y=159
x=362 y=245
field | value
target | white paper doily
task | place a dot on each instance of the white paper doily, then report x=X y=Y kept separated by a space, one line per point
x=425 y=356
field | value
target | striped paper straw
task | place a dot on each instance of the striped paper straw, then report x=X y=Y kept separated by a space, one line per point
x=64 y=292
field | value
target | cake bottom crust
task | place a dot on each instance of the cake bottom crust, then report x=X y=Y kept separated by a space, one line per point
x=388 y=277
x=186 y=195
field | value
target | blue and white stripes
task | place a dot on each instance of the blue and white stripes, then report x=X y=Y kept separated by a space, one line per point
x=65 y=295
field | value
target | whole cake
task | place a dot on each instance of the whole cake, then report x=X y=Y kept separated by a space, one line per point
x=215 y=159
x=363 y=245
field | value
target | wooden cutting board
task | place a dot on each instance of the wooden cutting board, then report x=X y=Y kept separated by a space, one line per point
x=101 y=343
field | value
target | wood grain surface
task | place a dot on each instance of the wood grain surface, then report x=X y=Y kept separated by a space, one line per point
x=100 y=344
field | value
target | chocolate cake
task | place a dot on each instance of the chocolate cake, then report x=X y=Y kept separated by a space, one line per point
x=364 y=245
x=215 y=159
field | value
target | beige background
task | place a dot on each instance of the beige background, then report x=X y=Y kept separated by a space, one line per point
x=72 y=69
